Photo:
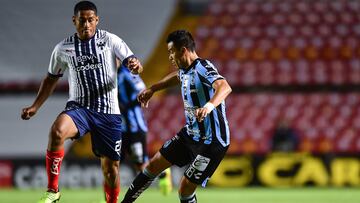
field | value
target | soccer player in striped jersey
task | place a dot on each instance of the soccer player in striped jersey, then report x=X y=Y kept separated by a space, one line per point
x=202 y=143
x=90 y=57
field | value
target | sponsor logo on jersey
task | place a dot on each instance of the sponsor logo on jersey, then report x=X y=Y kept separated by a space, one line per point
x=86 y=58
x=88 y=67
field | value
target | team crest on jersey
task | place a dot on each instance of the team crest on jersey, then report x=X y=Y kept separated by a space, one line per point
x=101 y=45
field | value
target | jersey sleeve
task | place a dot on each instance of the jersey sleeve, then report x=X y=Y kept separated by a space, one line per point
x=56 y=66
x=122 y=51
x=209 y=73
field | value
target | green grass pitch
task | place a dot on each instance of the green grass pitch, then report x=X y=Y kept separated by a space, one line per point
x=208 y=195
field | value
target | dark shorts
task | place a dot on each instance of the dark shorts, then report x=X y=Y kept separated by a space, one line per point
x=134 y=145
x=202 y=159
x=105 y=130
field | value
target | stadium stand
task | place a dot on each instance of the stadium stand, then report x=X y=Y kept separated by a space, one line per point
x=265 y=47
x=327 y=122
x=292 y=58
x=283 y=42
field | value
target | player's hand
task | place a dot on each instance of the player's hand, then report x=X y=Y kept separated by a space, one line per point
x=134 y=65
x=144 y=97
x=202 y=112
x=28 y=112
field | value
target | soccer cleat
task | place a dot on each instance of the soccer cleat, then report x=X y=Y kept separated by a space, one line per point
x=165 y=183
x=50 y=197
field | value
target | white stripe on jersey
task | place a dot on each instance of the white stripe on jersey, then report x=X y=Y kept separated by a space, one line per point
x=92 y=69
x=107 y=98
x=96 y=79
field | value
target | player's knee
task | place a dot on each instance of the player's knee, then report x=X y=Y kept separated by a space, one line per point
x=110 y=169
x=157 y=164
x=152 y=168
x=57 y=133
x=186 y=187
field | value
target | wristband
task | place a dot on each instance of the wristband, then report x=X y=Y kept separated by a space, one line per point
x=209 y=106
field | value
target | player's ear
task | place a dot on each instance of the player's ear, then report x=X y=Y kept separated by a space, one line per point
x=97 y=20
x=73 y=19
x=183 y=50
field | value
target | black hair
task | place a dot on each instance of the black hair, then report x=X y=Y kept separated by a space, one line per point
x=85 y=5
x=181 y=38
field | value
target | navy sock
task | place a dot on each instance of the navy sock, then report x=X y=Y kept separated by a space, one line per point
x=141 y=182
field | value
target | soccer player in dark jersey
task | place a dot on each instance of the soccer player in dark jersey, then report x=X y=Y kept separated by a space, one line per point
x=202 y=143
x=134 y=124
x=90 y=56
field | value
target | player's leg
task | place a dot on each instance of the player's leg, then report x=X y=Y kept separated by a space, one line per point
x=106 y=140
x=187 y=191
x=137 y=149
x=200 y=170
x=110 y=170
x=63 y=128
x=138 y=154
x=166 y=157
x=144 y=179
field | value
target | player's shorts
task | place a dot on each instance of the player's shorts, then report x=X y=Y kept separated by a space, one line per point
x=202 y=159
x=134 y=145
x=105 y=129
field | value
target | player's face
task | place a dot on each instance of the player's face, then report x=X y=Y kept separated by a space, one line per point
x=176 y=56
x=85 y=22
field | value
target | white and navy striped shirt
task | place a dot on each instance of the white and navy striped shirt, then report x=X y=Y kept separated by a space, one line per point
x=92 y=69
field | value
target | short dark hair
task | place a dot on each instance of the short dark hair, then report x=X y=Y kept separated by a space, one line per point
x=85 y=5
x=181 y=38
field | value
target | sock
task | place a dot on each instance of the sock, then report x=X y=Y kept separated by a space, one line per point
x=53 y=164
x=141 y=182
x=188 y=199
x=111 y=194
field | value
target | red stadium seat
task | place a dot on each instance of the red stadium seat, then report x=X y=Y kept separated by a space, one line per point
x=325 y=121
x=323 y=32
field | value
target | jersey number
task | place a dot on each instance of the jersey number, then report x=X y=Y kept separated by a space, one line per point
x=118 y=146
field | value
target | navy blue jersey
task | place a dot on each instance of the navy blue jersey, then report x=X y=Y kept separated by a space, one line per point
x=196 y=89
x=129 y=86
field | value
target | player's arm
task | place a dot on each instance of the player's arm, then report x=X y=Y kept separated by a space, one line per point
x=222 y=90
x=46 y=88
x=170 y=80
x=132 y=63
x=125 y=55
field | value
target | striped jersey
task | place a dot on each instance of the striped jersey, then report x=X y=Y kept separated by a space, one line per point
x=92 y=69
x=196 y=89
x=129 y=86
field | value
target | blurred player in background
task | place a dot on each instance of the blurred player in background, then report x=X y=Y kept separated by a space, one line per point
x=90 y=56
x=202 y=143
x=135 y=126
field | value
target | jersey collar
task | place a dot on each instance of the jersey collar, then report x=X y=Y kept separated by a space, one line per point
x=192 y=65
